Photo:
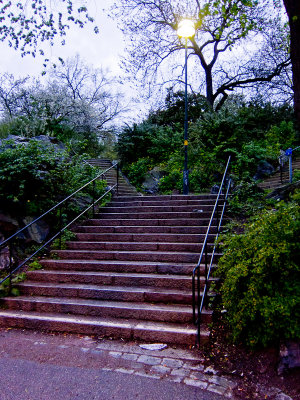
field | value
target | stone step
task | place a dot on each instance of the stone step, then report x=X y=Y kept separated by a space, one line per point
x=137 y=246
x=104 y=309
x=143 y=237
x=146 y=230
x=157 y=209
x=113 y=278
x=275 y=181
x=106 y=292
x=120 y=192
x=152 y=222
x=273 y=186
x=171 y=197
x=103 y=327
x=154 y=215
x=127 y=275
x=142 y=201
x=154 y=256
x=122 y=266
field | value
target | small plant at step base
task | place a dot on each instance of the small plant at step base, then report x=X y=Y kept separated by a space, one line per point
x=60 y=243
x=34 y=266
x=4 y=288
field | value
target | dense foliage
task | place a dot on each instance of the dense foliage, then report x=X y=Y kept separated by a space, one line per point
x=33 y=177
x=261 y=276
x=250 y=131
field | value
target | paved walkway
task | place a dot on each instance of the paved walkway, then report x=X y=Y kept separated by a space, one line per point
x=37 y=366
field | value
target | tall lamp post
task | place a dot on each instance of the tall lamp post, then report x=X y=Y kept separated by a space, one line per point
x=186 y=29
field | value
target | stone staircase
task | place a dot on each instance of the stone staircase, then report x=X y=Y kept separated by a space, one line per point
x=274 y=181
x=127 y=274
x=125 y=188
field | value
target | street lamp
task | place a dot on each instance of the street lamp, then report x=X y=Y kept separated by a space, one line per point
x=186 y=29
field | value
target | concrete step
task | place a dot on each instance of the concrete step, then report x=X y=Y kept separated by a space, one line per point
x=105 y=327
x=104 y=309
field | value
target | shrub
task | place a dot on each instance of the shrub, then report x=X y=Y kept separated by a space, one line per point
x=260 y=269
x=246 y=199
x=136 y=171
x=172 y=181
x=35 y=176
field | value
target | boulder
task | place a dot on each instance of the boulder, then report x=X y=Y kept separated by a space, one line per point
x=37 y=231
x=13 y=140
x=152 y=179
x=4 y=255
x=264 y=169
x=215 y=189
x=8 y=225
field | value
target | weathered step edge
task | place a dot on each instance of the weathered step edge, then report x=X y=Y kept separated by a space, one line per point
x=104 y=309
x=130 y=329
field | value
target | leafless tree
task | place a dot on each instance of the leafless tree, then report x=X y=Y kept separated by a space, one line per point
x=230 y=38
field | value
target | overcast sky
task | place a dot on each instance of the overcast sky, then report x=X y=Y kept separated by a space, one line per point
x=98 y=50
x=101 y=49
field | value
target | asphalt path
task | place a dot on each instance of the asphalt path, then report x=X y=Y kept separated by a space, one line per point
x=37 y=366
x=28 y=380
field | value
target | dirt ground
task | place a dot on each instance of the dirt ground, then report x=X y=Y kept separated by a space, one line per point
x=255 y=371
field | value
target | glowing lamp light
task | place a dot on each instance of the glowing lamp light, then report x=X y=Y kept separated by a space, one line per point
x=186 y=28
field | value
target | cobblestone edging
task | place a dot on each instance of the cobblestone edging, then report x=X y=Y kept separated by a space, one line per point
x=176 y=365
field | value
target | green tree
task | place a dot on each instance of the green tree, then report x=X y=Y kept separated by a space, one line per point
x=171 y=113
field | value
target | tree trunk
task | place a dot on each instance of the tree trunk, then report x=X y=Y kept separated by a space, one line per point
x=209 y=86
x=293 y=11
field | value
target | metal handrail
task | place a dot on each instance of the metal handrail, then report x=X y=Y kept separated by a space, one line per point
x=196 y=303
x=58 y=234
x=289 y=154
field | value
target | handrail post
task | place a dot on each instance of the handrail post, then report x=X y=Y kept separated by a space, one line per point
x=194 y=298
x=198 y=303
x=206 y=269
x=290 y=168
x=10 y=269
x=118 y=172
x=93 y=199
x=60 y=225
